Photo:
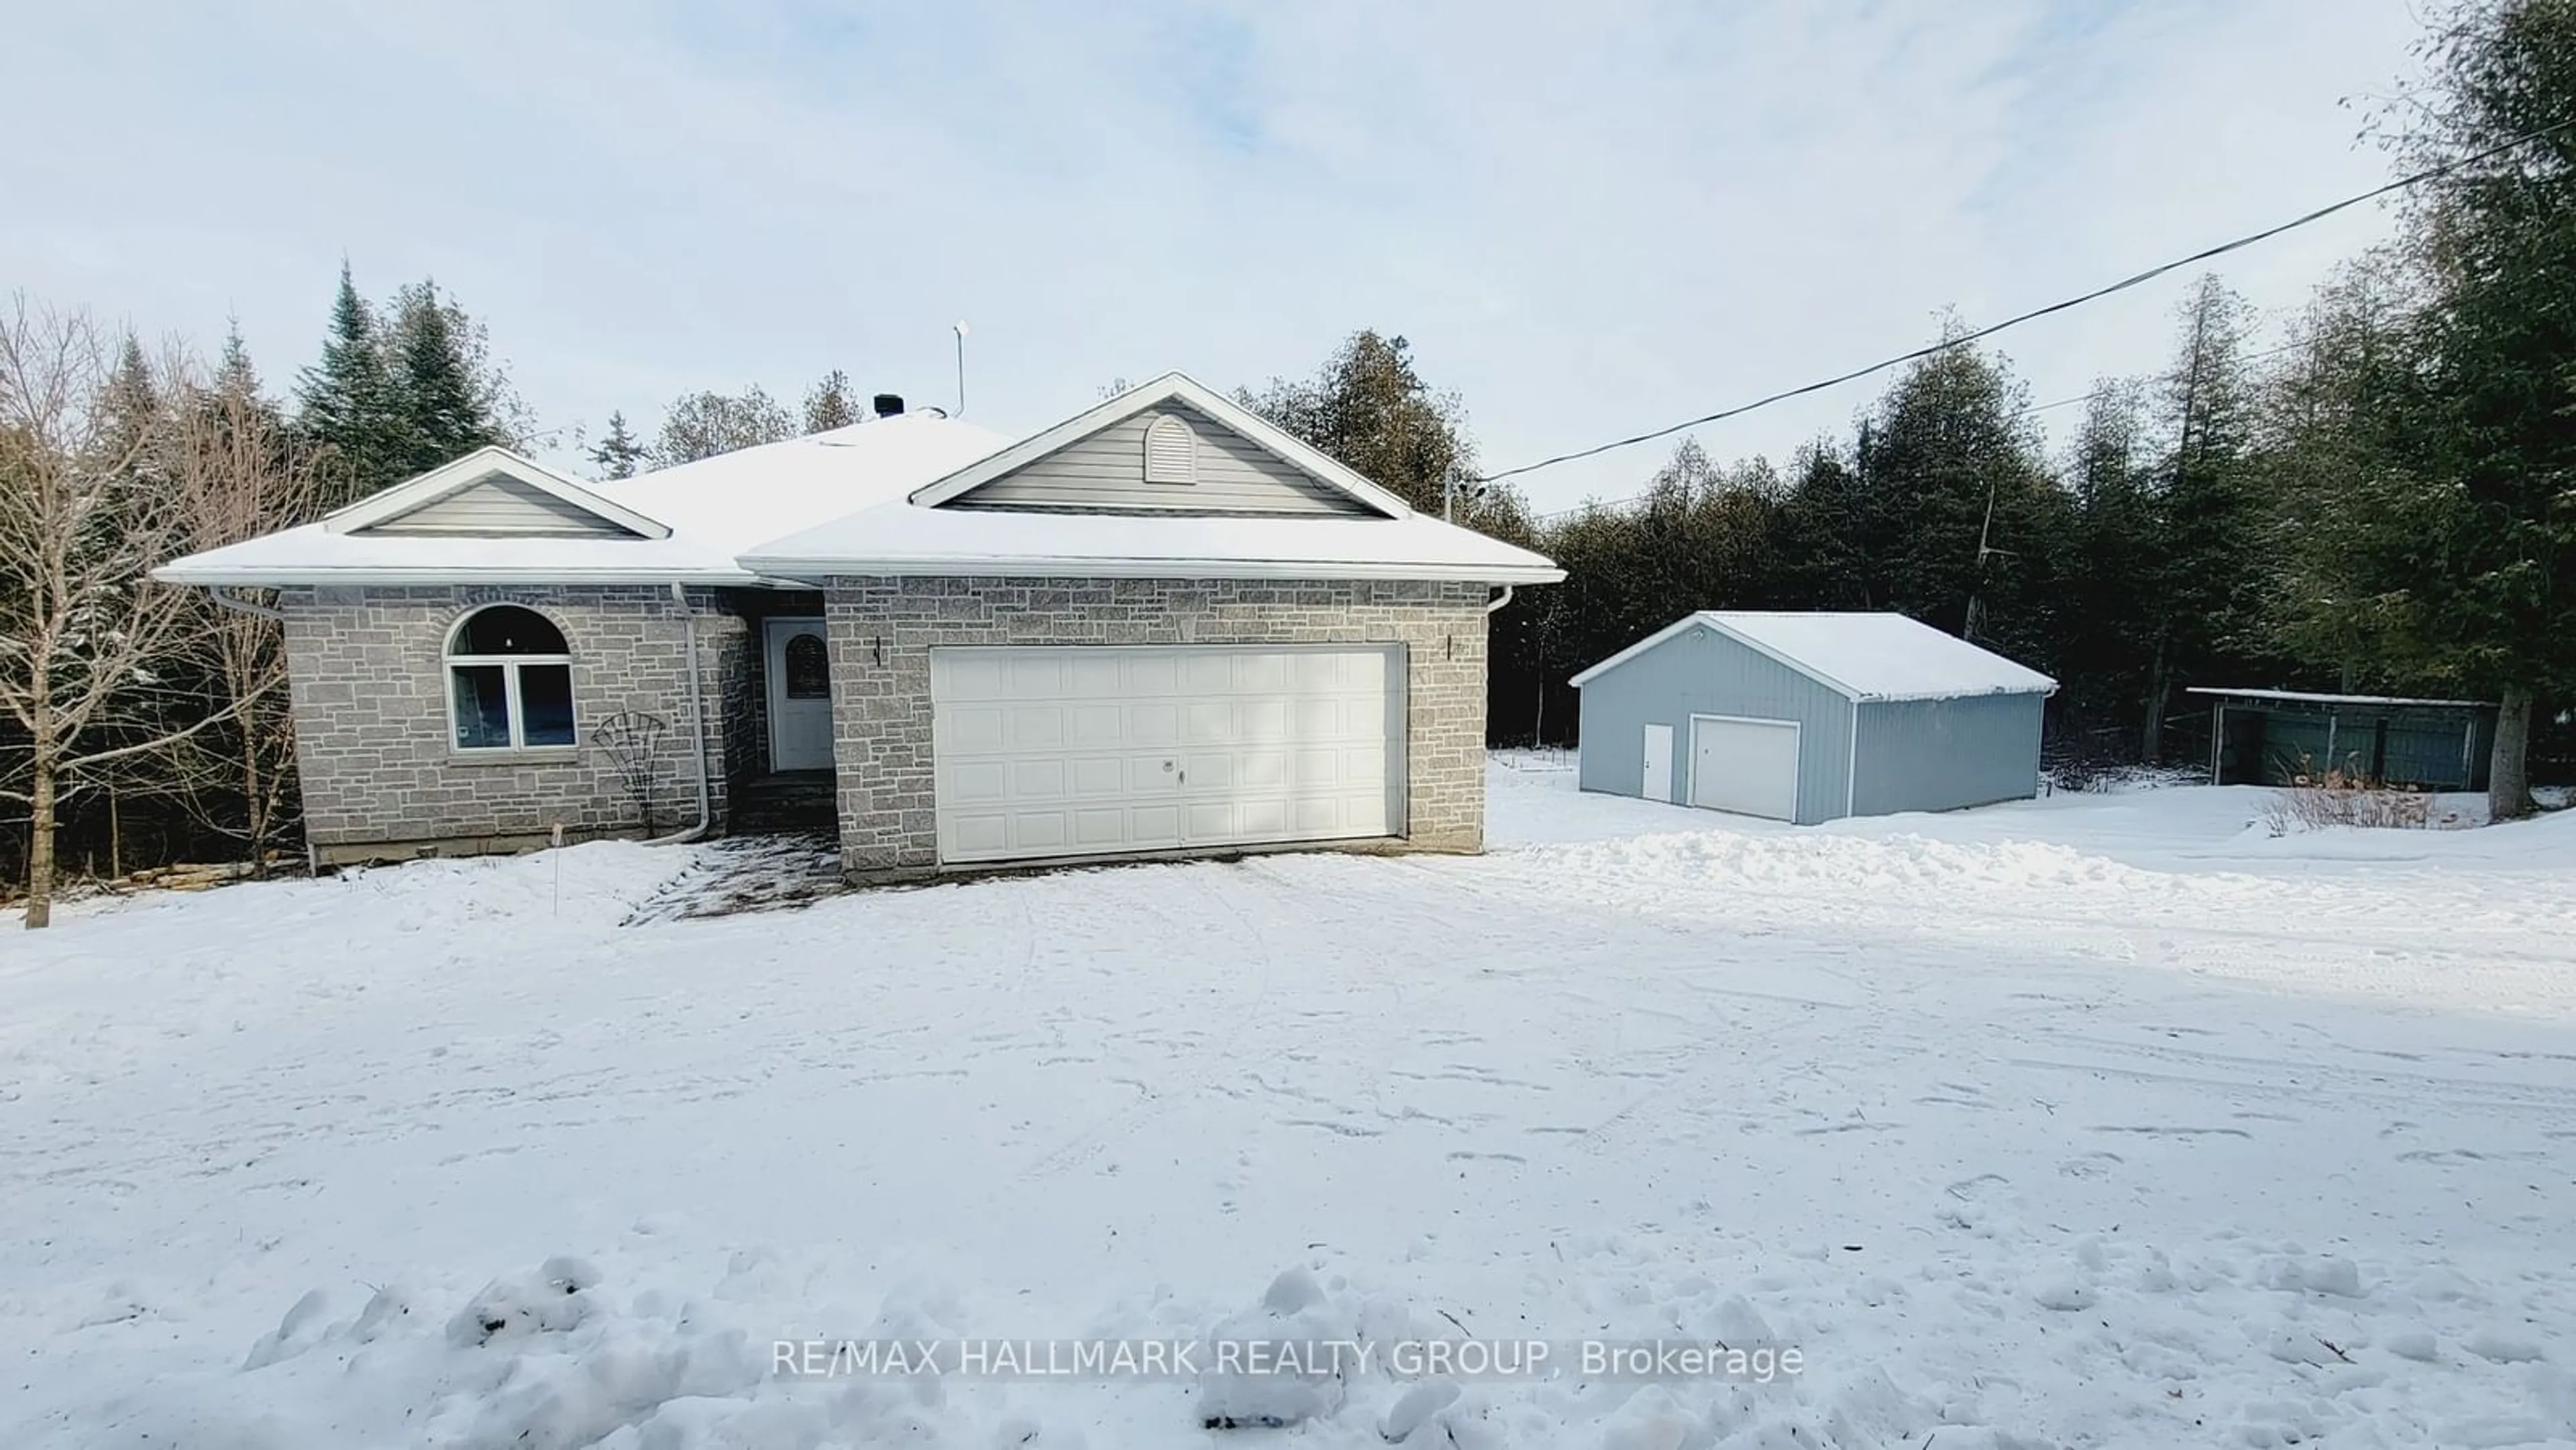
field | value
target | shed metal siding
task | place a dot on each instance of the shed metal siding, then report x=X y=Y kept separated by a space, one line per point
x=1702 y=672
x=1105 y=473
x=1941 y=755
x=500 y=505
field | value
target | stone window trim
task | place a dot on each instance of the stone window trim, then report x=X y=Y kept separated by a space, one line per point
x=548 y=651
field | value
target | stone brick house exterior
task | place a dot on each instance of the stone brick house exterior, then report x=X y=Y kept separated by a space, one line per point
x=1158 y=628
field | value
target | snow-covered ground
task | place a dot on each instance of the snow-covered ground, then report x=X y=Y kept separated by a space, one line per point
x=2100 y=1120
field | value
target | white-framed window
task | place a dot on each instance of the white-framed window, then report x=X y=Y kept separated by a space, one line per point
x=509 y=681
x=1171 y=451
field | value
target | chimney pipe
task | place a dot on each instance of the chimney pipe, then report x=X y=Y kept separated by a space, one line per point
x=888 y=405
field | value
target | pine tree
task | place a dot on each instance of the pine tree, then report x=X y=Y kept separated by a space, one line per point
x=831 y=404
x=618 y=455
x=2196 y=605
x=345 y=402
x=438 y=414
x=234 y=375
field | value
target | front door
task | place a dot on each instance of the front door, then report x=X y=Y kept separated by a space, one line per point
x=800 y=695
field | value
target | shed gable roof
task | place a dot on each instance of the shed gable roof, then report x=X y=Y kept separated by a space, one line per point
x=1867 y=656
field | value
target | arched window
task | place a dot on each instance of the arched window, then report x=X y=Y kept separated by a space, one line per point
x=509 y=681
x=1171 y=451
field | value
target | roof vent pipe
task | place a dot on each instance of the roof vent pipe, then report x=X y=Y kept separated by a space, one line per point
x=888 y=405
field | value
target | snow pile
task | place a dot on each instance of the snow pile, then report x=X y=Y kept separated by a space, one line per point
x=1981 y=1343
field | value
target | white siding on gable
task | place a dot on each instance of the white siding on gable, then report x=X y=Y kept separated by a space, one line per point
x=1171 y=451
x=1107 y=473
x=498 y=504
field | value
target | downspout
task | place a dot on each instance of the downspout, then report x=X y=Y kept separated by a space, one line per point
x=216 y=593
x=697 y=725
x=1500 y=600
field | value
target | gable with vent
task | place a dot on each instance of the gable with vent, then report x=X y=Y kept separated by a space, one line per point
x=1168 y=459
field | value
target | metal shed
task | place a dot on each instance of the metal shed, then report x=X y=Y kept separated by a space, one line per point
x=2281 y=737
x=1809 y=717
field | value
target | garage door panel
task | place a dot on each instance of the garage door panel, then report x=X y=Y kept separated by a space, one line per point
x=980 y=833
x=970 y=678
x=1153 y=724
x=1100 y=749
x=1036 y=676
x=1037 y=727
x=1257 y=720
x=1207 y=721
x=969 y=728
x=1096 y=677
x=1040 y=779
x=978 y=781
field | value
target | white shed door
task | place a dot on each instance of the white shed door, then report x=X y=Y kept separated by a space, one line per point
x=1079 y=750
x=1749 y=767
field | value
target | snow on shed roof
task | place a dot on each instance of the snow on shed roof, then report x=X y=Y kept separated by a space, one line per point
x=2303 y=697
x=1868 y=656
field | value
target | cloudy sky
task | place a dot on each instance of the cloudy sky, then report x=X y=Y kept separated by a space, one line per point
x=1590 y=219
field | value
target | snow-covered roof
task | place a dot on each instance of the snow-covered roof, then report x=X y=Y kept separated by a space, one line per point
x=866 y=500
x=2302 y=697
x=1867 y=656
x=705 y=513
x=915 y=535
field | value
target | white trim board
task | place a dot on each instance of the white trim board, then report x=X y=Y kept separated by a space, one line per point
x=1169 y=388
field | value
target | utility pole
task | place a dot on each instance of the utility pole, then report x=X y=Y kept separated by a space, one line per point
x=960 y=330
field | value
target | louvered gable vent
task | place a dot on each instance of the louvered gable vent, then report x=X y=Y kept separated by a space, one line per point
x=1171 y=451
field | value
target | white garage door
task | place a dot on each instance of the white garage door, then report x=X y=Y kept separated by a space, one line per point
x=1075 y=750
x=1749 y=767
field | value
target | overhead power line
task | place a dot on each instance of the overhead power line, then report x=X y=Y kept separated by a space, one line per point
x=2097 y=294
x=1613 y=503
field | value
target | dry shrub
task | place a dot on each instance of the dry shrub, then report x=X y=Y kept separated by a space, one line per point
x=2338 y=797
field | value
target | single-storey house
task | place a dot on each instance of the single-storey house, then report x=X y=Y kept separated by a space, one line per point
x=2287 y=737
x=1162 y=626
x=1808 y=717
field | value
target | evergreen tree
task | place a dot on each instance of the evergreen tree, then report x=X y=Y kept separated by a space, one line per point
x=1371 y=411
x=2195 y=605
x=234 y=375
x=2114 y=568
x=618 y=455
x=831 y=404
x=2498 y=237
x=1958 y=522
x=439 y=413
x=345 y=402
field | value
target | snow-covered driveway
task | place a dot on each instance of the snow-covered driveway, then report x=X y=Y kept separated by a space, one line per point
x=2091 y=1121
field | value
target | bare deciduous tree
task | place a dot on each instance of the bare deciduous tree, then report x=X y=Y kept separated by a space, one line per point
x=239 y=473
x=85 y=512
